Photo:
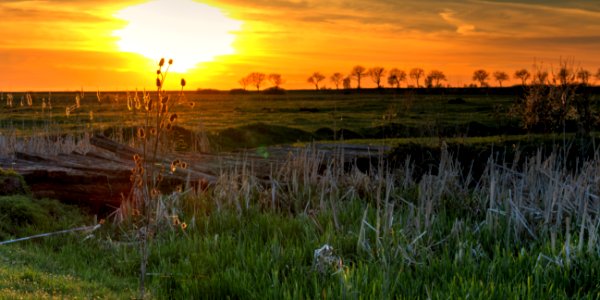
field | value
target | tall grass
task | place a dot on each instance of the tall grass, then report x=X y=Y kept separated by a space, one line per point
x=397 y=234
x=517 y=231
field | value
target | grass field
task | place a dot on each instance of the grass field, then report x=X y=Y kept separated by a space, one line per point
x=218 y=114
x=392 y=237
x=440 y=225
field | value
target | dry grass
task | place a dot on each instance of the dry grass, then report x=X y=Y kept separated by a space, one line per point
x=538 y=200
x=45 y=144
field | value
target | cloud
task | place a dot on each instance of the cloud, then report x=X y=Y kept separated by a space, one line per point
x=461 y=26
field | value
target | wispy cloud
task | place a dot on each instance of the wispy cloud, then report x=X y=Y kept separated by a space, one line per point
x=462 y=27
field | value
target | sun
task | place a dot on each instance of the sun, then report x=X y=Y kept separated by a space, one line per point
x=185 y=30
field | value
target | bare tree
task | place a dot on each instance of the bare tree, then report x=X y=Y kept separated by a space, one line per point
x=584 y=76
x=337 y=79
x=523 y=75
x=358 y=72
x=395 y=77
x=347 y=83
x=315 y=78
x=500 y=76
x=481 y=76
x=245 y=81
x=376 y=74
x=434 y=77
x=257 y=79
x=276 y=80
x=416 y=74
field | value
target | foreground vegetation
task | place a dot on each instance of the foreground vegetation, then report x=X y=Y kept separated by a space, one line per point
x=516 y=231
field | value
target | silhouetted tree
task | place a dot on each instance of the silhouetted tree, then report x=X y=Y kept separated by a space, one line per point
x=416 y=74
x=376 y=74
x=245 y=81
x=276 y=80
x=584 y=76
x=434 y=77
x=481 y=76
x=523 y=75
x=337 y=79
x=358 y=72
x=598 y=74
x=428 y=82
x=395 y=77
x=347 y=83
x=257 y=79
x=315 y=78
x=500 y=76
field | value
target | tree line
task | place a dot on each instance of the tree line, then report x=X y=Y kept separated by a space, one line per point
x=433 y=79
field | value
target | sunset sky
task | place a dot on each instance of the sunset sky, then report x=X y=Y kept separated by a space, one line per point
x=93 y=44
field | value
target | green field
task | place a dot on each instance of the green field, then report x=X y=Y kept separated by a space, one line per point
x=468 y=205
x=318 y=115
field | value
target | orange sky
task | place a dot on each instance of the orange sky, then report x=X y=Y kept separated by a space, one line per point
x=69 y=44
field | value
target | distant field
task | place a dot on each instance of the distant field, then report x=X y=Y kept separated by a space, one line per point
x=253 y=119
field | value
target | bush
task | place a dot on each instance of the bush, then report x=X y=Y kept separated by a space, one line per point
x=21 y=215
x=11 y=183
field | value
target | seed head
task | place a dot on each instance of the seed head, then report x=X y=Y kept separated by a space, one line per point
x=174 y=165
x=173 y=118
x=170 y=61
x=183 y=226
x=158 y=83
x=141 y=133
x=182 y=82
x=162 y=62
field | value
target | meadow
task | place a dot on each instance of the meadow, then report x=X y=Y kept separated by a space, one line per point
x=309 y=115
x=467 y=204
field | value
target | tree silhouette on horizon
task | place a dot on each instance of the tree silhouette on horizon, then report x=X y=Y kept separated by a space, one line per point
x=523 y=75
x=481 y=76
x=376 y=74
x=315 y=78
x=500 y=76
x=358 y=72
x=416 y=74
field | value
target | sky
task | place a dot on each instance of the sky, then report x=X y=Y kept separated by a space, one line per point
x=115 y=45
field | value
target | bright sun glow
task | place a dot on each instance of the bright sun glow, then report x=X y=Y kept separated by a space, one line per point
x=187 y=31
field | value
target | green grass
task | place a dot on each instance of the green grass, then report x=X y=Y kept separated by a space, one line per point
x=303 y=110
x=452 y=249
x=261 y=255
x=262 y=119
x=64 y=266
